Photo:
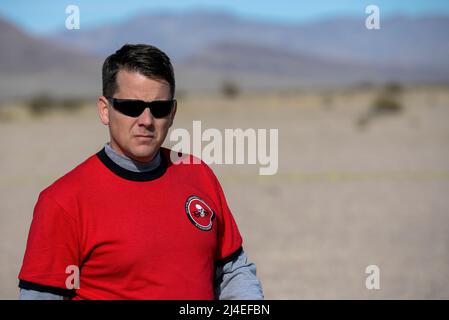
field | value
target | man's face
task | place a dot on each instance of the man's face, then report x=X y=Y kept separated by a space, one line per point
x=137 y=138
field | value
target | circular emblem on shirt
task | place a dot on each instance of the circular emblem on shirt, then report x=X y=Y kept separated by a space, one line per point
x=199 y=213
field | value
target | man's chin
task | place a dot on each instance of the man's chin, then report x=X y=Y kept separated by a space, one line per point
x=143 y=153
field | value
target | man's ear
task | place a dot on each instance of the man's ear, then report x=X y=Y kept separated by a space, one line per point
x=103 y=110
x=173 y=113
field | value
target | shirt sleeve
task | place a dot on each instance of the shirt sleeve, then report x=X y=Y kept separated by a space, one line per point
x=237 y=280
x=229 y=238
x=52 y=247
x=38 y=295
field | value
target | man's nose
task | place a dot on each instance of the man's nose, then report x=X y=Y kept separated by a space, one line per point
x=146 y=118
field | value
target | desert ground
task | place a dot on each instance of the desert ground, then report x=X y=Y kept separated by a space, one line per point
x=345 y=196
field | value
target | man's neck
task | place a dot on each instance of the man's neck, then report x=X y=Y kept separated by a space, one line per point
x=130 y=164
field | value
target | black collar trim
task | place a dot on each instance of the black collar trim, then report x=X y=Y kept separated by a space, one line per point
x=131 y=175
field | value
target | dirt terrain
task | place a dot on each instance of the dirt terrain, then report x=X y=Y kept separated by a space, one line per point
x=345 y=196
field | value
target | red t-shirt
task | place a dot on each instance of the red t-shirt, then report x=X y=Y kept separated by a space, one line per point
x=133 y=235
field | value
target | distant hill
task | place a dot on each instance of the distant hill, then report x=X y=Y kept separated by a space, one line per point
x=402 y=40
x=31 y=65
x=208 y=48
x=23 y=54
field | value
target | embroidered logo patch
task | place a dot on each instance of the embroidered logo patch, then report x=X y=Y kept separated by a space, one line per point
x=199 y=213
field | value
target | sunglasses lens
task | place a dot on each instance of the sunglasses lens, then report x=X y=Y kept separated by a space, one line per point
x=134 y=108
x=131 y=108
x=161 y=109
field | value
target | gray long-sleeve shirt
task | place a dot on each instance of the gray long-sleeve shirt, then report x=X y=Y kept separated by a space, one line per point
x=236 y=279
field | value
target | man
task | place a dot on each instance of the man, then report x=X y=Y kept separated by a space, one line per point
x=135 y=223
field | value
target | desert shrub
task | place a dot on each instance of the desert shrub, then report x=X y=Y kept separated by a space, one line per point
x=71 y=104
x=386 y=104
x=393 y=88
x=41 y=104
x=230 y=89
x=388 y=99
x=44 y=103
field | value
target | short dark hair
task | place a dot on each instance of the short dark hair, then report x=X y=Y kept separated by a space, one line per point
x=142 y=58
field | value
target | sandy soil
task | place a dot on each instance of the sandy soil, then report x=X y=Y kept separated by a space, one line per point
x=344 y=197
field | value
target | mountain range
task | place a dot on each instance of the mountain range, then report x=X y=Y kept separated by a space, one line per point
x=208 y=48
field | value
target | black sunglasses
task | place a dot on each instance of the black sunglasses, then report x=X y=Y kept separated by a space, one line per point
x=134 y=108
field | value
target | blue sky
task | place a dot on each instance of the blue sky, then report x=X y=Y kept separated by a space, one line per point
x=46 y=16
